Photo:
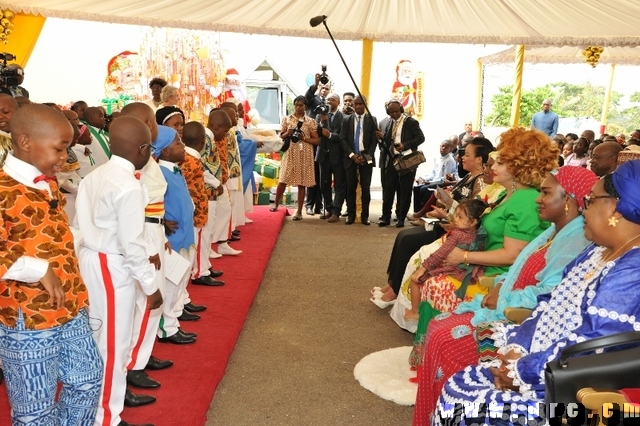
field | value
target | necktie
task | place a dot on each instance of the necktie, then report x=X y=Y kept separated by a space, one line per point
x=177 y=170
x=330 y=115
x=356 y=142
x=42 y=178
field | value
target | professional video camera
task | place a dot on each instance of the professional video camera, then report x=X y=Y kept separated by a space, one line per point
x=324 y=77
x=8 y=77
x=297 y=132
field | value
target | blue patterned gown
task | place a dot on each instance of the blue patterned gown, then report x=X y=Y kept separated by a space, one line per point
x=594 y=299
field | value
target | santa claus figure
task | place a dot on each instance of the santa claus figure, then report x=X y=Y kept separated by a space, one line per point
x=405 y=86
x=233 y=87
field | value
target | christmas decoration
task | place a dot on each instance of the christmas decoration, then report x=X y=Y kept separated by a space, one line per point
x=6 y=25
x=592 y=55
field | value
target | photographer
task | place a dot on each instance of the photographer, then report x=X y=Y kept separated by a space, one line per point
x=297 y=164
x=402 y=134
x=347 y=103
x=330 y=158
x=17 y=90
x=359 y=138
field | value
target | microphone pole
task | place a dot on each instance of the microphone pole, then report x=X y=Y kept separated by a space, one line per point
x=317 y=20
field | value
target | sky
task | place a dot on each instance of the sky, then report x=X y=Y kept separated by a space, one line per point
x=70 y=60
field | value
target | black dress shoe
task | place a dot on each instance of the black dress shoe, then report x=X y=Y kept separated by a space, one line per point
x=187 y=333
x=133 y=400
x=190 y=307
x=123 y=423
x=400 y=223
x=215 y=273
x=235 y=232
x=140 y=379
x=158 y=364
x=349 y=221
x=186 y=316
x=208 y=281
x=177 y=339
x=366 y=222
x=383 y=223
x=235 y=238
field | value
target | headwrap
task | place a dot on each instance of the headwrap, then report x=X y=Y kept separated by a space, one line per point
x=576 y=181
x=166 y=135
x=165 y=113
x=626 y=179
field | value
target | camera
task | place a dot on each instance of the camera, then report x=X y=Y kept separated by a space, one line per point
x=322 y=109
x=324 y=78
x=9 y=77
x=297 y=133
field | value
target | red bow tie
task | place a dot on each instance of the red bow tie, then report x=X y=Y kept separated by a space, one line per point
x=44 y=178
x=137 y=175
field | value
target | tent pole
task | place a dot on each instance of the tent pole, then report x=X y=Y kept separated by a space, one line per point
x=367 y=58
x=478 y=124
x=517 y=87
x=607 y=99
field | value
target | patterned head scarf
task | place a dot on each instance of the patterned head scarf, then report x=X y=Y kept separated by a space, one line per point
x=165 y=113
x=626 y=179
x=576 y=181
x=166 y=135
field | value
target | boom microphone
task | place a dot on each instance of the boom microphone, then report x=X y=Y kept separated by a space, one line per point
x=317 y=20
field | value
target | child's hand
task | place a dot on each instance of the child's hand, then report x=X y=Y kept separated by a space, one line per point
x=417 y=275
x=53 y=286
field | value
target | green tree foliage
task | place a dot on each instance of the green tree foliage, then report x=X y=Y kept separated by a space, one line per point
x=568 y=100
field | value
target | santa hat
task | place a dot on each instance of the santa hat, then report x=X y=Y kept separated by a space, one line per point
x=113 y=65
x=232 y=73
x=402 y=61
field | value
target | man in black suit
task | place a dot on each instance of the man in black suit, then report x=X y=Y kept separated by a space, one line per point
x=402 y=134
x=330 y=157
x=359 y=141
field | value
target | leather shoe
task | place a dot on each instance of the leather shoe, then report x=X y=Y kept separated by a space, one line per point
x=235 y=232
x=186 y=316
x=400 y=224
x=235 y=238
x=187 y=333
x=325 y=216
x=158 y=364
x=190 y=307
x=310 y=212
x=366 y=222
x=208 y=281
x=177 y=339
x=123 y=423
x=384 y=223
x=333 y=219
x=140 y=379
x=133 y=400
x=349 y=221
x=215 y=273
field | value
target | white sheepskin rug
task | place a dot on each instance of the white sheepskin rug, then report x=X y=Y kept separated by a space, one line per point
x=386 y=374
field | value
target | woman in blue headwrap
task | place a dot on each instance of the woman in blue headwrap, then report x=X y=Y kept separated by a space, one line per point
x=599 y=295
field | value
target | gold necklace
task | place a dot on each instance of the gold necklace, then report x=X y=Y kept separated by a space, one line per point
x=547 y=244
x=609 y=258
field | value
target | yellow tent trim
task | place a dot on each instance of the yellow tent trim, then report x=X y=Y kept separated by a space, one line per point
x=24 y=36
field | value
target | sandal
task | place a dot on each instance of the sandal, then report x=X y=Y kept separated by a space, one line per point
x=273 y=209
x=297 y=217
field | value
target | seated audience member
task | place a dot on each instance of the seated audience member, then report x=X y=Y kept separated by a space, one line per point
x=601 y=283
x=444 y=167
x=567 y=151
x=604 y=158
x=79 y=107
x=579 y=156
x=51 y=362
x=170 y=96
x=571 y=137
x=589 y=135
x=22 y=101
x=559 y=141
x=451 y=340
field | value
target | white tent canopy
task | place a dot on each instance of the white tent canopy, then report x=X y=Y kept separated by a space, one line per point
x=539 y=22
x=618 y=55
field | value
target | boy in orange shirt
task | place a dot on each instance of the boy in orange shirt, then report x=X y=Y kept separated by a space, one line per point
x=45 y=338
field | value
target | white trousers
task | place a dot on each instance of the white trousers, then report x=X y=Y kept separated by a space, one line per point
x=221 y=228
x=145 y=322
x=111 y=298
x=248 y=199
x=173 y=301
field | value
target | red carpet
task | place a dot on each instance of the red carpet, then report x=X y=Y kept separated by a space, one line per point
x=188 y=387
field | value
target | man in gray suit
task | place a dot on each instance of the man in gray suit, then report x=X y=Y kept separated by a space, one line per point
x=330 y=158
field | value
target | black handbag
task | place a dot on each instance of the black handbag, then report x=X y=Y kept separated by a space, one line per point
x=408 y=163
x=616 y=369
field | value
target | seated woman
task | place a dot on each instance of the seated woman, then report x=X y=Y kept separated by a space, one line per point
x=598 y=296
x=525 y=158
x=450 y=343
x=409 y=241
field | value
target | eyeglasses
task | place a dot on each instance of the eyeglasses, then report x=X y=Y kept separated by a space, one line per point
x=589 y=199
x=152 y=148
